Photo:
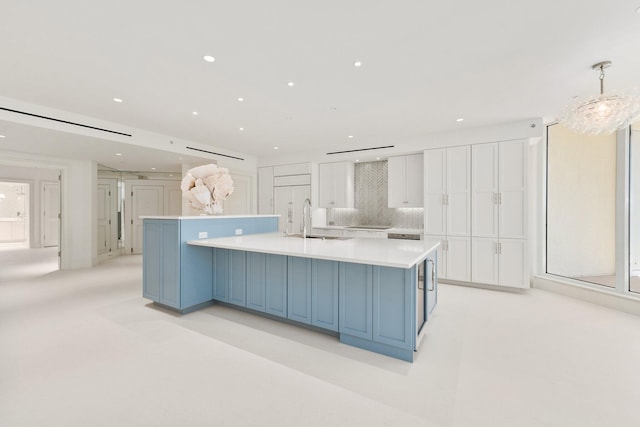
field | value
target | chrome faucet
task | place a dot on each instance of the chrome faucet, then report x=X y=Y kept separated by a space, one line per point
x=306 y=211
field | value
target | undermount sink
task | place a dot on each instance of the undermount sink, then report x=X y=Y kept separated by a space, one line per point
x=316 y=236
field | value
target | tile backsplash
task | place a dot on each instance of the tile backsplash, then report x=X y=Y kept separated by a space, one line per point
x=371 y=202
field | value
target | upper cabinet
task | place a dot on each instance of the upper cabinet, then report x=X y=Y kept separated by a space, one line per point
x=336 y=183
x=406 y=181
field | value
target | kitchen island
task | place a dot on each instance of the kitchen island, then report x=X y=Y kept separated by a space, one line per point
x=375 y=294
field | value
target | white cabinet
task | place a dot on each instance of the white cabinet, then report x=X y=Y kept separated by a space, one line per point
x=447 y=191
x=288 y=202
x=447 y=210
x=500 y=262
x=405 y=181
x=336 y=185
x=499 y=189
x=336 y=232
x=454 y=257
x=265 y=190
x=499 y=224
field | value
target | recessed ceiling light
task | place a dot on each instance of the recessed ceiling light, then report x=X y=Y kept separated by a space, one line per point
x=118 y=154
x=460 y=120
x=117 y=100
x=241 y=128
x=275 y=148
x=357 y=64
x=240 y=99
x=357 y=161
x=170 y=174
x=2 y=136
x=153 y=169
x=195 y=113
x=290 y=84
x=350 y=136
x=209 y=58
x=377 y=158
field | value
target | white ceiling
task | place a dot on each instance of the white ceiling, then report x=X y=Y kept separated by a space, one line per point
x=425 y=64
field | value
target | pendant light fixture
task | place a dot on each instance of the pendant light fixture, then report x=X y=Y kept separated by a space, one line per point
x=604 y=113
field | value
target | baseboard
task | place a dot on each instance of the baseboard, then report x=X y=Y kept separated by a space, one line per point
x=625 y=303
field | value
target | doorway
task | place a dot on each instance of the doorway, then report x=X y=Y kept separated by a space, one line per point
x=30 y=209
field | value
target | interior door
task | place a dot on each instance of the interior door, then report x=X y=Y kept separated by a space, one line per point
x=50 y=213
x=145 y=200
x=104 y=218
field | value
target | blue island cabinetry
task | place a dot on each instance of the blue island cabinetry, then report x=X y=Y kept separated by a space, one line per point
x=376 y=295
x=178 y=275
x=372 y=307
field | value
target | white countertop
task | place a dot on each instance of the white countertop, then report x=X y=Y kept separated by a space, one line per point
x=208 y=216
x=383 y=252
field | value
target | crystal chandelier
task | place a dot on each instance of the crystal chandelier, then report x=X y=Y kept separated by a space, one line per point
x=604 y=113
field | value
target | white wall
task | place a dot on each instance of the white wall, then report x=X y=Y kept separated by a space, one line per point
x=581 y=204
x=34 y=176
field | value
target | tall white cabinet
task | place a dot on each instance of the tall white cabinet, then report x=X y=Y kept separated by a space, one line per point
x=447 y=210
x=475 y=205
x=499 y=220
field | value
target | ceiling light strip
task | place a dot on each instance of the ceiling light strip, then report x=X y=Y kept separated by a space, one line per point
x=65 y=121
x=215 y=154
x=361 y=149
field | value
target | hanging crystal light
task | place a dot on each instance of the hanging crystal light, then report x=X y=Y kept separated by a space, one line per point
x=604 y=113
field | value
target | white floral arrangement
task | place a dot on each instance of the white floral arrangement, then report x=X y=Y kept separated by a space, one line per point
x=206 y=187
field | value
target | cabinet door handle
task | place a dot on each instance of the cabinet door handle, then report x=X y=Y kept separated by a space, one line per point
x=499 y=248
x=433 y=274
x=444 y=200
x=496 y=248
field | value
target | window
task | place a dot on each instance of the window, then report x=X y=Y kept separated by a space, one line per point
x=581 y=177
x=593 y=208
x=634 y=209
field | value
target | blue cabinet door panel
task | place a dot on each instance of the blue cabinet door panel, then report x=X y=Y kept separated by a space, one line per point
x=299 y=289
x=276 y=292
x=355 y=304
x=324 y=294
x=221 y=274
x=238 y=277
x=256 y=280
x=151 y=274
x=393 y=303
x=170 y=290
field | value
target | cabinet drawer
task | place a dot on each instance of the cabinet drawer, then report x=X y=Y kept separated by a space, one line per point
x=280 y=181
x=293 y=169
